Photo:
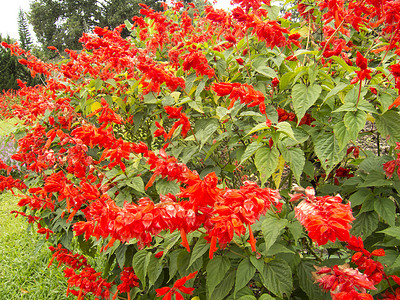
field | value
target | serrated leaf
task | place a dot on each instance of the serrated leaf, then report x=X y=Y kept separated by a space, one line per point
x=164 y=186
x=375 y=179
x=340 y=87
x=285 y=128
x=296 y=229
x=216 y=270
x=266 y=297
x=277 y=175
x=266 y=161
x=250 y=150
x=365 y=224
x=199 y=249
x=392 y=231
x=244 y=273
x=266 y=71
x=173 y=262
x=120 y=255
x=327 y=149
x=136 y=183
x=140 y=263
x=341 y=62
x=359 y=196
x=297 y=160
x=257 y=263
x=154 y=270
x=386 y=209
x=342 y=134
x=306 y=281
x=247 y=297
x=354 y=122
x=221 y=112
x=272 y=228
x=224 y=287
x=277 y=278
x=261 y=126
x=388 y=125
x=200 y=88
x=303 y=97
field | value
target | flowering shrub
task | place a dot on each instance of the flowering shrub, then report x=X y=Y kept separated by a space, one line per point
x=178 y=155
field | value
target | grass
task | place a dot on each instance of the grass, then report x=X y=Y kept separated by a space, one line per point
x=24 y=259
x=24 y=254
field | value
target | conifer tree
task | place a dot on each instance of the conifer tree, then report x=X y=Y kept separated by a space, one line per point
x=23 y=31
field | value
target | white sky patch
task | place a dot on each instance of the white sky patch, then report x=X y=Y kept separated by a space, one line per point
x=9 y=18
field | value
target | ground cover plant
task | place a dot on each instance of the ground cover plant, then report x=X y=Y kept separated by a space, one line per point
x=219 y=155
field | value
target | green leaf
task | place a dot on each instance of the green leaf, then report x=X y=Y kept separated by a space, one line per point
x=365 y=224
x=306 y=281
x=250 y=150
x=303 y=97
x=388 y=126
x=258 y=127
x=328 y=151
x=200 y=88
x=277 y=278
x=296 y=229
x=205 y=129
x=140 y=263
x=266 y=71
x=266 y=297
x=199 y=249
x=285 y=80
x=266 y=161
x=272 y=228
x=354 y=122
x=136 y=183
x=120 y=255
x=221 y=112
x=386 y=209
x=154 y=270
x=245 y=272
x=340 y=87
x=392 y=231
x=164 y=186
x=247 y=297
x=216 y=270
x=375 y=179
x=359 y=196
x=285 y=128
x=258 y=263
x=296 y=159
x=341 y=62
x=173 y=262
x=224 y=287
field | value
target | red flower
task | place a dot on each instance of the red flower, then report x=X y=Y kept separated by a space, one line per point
x=325 y=218
x=168 y=292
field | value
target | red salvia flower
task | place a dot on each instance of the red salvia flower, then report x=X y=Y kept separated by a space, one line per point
x=177 y=288
x=325 y=218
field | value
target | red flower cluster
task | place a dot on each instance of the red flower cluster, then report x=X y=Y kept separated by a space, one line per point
x=390 y=166
x=245 y=92
x=344 y=282
x=325 y=218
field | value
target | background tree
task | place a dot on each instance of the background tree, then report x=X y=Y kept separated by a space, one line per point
x=11 y=70
x=23 y=31
x=114 y=12
x=61 y=23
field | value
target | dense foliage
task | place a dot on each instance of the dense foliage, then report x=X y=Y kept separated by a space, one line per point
x=11 y=70
x=61 y=23
x=223 y=155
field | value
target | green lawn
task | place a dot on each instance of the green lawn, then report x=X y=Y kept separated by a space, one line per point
x=24 y=254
